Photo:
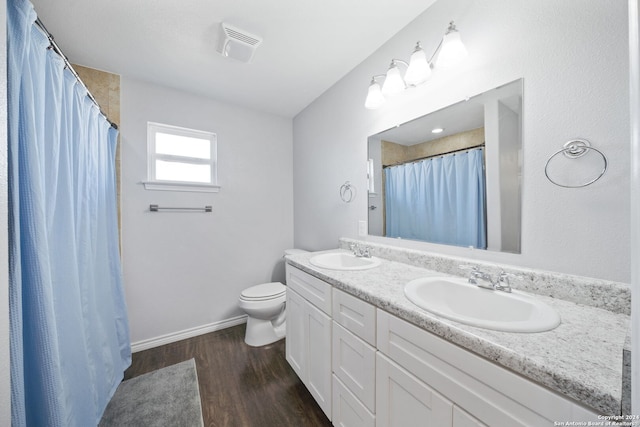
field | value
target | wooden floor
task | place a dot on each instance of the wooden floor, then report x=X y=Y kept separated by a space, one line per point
x=239 y=385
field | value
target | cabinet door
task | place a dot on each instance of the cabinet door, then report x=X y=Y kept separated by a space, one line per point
x=403 y=400
x=462 y=419
x=347 y=410
x=318 y=328
x=295 y=347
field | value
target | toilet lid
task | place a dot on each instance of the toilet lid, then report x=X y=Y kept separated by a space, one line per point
x=264 y=291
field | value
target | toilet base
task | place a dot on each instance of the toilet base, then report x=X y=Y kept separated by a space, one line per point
x=261 y=332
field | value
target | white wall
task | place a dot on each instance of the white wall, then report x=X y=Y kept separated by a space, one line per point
x=186 y=270
x=572 y=55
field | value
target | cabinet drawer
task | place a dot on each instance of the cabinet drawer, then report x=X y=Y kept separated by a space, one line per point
x=355 y=315
x=488 y=392
x=348 y=411
x=310 y=288
x=354 y=363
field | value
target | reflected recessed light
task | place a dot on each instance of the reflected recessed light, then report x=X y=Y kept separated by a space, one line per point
x=437 y=130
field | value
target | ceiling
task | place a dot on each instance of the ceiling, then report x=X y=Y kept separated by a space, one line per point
x=454 y=119
x=460 y=117
x=307 y=45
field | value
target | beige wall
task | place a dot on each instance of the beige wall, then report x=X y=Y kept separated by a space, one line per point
x=393 y=154
x=105 y=88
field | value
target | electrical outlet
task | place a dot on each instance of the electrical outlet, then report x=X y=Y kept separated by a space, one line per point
x=362 y=228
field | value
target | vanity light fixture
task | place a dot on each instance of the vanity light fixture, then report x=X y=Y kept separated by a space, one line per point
x=419 y=69
x=393 y=81
x=453 y=50
x=375 y=98
x=450 y=50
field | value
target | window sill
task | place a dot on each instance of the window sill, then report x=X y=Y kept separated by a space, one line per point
x=180 y=186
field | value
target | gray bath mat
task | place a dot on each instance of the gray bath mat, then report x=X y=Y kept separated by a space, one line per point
x=166 y=397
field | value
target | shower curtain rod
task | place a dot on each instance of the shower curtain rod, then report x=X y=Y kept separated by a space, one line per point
x=67 y=64
x=436 y=155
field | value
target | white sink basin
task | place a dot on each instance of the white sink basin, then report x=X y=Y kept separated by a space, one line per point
x=344 y=261
x=456 y=299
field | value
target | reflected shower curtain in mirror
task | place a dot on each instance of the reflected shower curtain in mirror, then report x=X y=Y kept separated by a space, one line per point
x=68 y=323
x=439 y=200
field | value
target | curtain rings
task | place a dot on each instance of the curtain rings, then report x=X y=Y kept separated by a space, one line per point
x=347 y=192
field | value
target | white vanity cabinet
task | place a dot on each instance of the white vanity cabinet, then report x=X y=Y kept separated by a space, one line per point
x=368 y=368
x=353 y=361
x=308 y=343
x=478 y=391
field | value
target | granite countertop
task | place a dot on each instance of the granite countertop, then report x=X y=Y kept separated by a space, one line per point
x=581 y=359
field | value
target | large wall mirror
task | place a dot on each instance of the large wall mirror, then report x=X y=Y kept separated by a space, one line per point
x=453 y=176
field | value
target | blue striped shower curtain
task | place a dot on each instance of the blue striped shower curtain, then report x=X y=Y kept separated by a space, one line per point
x=68 y=323
x=438 y=200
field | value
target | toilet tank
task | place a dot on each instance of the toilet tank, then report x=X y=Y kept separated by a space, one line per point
x=294 y=251
x=278 y=274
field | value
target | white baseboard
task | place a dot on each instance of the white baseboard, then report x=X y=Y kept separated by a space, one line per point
x=187 y=333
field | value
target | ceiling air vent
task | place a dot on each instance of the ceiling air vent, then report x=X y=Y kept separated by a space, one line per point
x=236 y=43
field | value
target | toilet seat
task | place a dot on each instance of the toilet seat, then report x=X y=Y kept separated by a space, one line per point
x=263 y=292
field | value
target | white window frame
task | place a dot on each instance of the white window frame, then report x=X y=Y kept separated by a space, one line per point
x=155 y=184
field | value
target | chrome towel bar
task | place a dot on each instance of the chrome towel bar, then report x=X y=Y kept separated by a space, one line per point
x=347 y=192
x=156 y=208
x=575 y=149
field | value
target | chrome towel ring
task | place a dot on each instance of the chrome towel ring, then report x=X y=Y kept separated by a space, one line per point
x=575 y=149
x=347 y=192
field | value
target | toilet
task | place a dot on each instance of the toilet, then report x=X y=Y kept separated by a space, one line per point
x=265 y=308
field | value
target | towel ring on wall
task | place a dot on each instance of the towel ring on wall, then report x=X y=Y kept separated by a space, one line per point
x=575 y=149
x=347 y=192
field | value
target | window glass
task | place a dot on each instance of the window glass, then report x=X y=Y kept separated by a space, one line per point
x=182 y=172
x=179 y=158
x=179 y=145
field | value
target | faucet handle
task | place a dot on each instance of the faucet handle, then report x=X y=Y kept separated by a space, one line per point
x=474 y=273
x=504 y=277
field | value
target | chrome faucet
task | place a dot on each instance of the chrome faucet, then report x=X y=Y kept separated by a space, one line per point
x=485 y=281
x=480 y=279
x=360 y=251
x=503 y=283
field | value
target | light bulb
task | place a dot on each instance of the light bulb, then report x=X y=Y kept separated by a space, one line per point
x=374 y=96
x=393 y=83
x=419 y=69
x=452 y=50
